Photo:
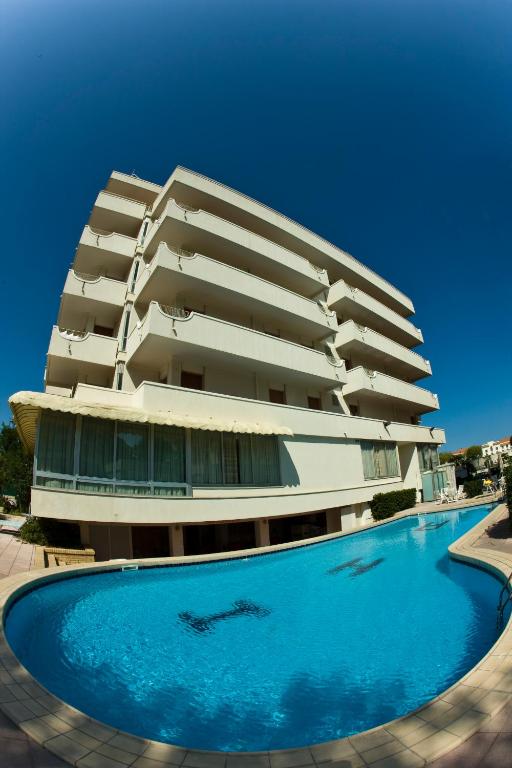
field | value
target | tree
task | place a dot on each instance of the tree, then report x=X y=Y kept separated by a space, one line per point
x=15 y=467
x=473 y=452
x=446 y=458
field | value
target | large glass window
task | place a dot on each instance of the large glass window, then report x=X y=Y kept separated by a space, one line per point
x=56 y=445
x=169 y=455
x=379 y=459
x=97 y=448
x=132 y=456
x=232 y=459
x=428 y=457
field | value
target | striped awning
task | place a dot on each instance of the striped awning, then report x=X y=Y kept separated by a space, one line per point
x=26 y=407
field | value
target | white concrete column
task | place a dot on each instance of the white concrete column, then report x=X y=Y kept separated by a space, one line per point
x=262 y=533
x=176 y=537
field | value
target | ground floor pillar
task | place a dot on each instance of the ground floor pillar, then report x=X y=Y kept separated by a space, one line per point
x=176 y=537
x=262 y=533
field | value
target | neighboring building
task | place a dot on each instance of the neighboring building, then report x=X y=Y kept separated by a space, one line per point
x=220 y=377
x=496 y=448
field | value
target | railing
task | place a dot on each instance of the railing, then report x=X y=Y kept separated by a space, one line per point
x=399 y=319
x=72 y=335
x=300 y=226
x=174 y=311
x=387 y=340
x=86 y=277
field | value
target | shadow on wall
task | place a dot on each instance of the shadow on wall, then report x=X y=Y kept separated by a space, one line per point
x=319 y=457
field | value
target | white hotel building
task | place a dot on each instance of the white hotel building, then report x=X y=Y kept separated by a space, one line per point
x=220 y=377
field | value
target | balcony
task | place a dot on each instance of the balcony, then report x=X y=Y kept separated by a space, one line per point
x=75 y=356
x=200 y=232
x=128 y=186
x=87 y=296
x=365 y=384
x=104 y=253
x=204 y=340
x=117 y=214
x=354 y=304
x=199 y=191
x=362 y=346
x=224 y=291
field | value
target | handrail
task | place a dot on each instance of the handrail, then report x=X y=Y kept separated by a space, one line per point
x=397 y=317
x=182 y=253
x=300 y=226
x=105 y=233
x=87 y=278
x=173 y=201
x=370 y=331
x=393 y=378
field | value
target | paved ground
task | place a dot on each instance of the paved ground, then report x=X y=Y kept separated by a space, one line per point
x=490 y=747
x=15 y=556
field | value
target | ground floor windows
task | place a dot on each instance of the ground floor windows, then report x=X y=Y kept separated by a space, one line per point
x=218 y=537
x=296 y=527
x=226 y=458
x=380 y=459
x=102 y=456
x=428 y=457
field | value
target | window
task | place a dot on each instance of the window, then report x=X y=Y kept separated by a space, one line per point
x=225 y=458
x=97 y=448
x=126 y=328
x=379 y=459
x=169 y=455
x=277 y=396
x=132 y=458
x=191 y=380
x=428 y=457
x=354 y=410
x=314 y=403
x=56 y=443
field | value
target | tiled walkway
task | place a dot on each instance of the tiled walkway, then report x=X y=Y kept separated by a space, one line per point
x=490 y=747
x=15 y=556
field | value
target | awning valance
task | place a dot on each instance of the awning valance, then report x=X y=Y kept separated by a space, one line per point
x=26 y=407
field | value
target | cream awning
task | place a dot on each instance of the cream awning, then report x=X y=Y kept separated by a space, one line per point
x=26 y=407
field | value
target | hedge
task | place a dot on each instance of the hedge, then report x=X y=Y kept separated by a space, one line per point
x=507 y=474
x=385 y=505
x=52 y=533
x=474 y=488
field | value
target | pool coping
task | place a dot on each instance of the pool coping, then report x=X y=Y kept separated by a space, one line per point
x=412 y=740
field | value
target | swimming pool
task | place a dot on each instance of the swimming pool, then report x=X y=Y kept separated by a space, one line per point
x=283 y=650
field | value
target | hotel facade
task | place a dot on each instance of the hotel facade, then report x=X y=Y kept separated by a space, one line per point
x=220 y=377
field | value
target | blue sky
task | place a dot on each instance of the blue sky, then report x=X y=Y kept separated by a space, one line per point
x=385 y=126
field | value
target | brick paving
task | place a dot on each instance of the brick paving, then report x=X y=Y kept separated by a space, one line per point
x=15 y=555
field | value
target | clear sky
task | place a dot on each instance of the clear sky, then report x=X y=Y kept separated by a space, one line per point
x=383 y=125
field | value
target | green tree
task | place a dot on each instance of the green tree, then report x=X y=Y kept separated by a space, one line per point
x=15 y=467
x=446 y=457
x=473 y=452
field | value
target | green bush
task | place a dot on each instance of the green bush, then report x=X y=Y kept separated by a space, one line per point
x=385 y=505
x=51 y=533
x=507 y=474
x=474 y=488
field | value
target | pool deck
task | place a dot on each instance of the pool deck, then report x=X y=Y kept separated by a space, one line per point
x=469 y=725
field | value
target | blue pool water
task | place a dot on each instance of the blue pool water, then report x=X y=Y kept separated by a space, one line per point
x=268 y=652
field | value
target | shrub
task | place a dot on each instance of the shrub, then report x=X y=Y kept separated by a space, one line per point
x=474 y=488
x=507 y=474
x=385 y=505
x=51 y=533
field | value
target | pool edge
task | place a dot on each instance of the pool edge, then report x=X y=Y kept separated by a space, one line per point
x=413 y=739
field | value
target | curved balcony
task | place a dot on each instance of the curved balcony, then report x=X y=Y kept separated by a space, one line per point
x=225 y=291
x=117 y=214
x=365 y=384
x=104 y=253
x=352 y=303
x=201 y=192
x=208 y=341
x=75 y=356
x=87 y=296
x=362 y=346
x=198 y=231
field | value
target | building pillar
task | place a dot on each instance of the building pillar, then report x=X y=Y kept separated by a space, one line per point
x=262 y=533
x=333 y=520
x=176 y=536
x=84 y=535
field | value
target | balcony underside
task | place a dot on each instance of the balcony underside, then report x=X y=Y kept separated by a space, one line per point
x=75 y=311
x=66 y=372
x=366 y=352
x=117 y=214
x=221 y=291
x=371 y=387
x=104 y=254
x=199 y=232
x=199 y=191
x=365 y=310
